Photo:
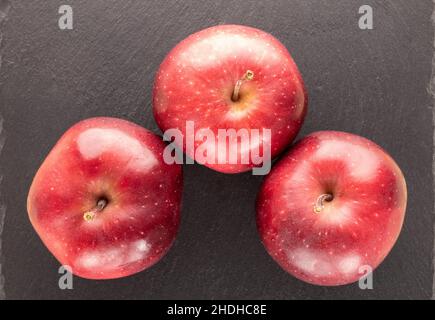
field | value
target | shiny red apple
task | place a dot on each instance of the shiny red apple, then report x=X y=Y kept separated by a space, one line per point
x=230 y=77
x=332 y=208
x=104 y=202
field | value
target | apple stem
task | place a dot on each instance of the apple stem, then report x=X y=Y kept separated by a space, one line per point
x=89 y=215
x=248 y=76
x=318 y=207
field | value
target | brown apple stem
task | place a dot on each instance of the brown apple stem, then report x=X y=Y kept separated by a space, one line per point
x=318 y=207
x=248 y=76
x=89 y=215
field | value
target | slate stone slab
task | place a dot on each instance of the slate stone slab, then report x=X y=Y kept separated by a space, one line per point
x=373 y=83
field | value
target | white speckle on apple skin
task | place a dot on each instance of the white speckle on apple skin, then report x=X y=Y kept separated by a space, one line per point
x=114 y=256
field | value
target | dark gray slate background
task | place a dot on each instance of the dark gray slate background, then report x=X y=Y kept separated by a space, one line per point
x=373 y=83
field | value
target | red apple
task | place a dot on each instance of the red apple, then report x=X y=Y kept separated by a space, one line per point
x=231 y=77
x=330 y=207
x=104 y=202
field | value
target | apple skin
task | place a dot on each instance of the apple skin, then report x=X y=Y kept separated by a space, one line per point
x=196 y=80
x=358 y=227
x=121 y=162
